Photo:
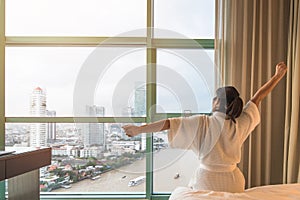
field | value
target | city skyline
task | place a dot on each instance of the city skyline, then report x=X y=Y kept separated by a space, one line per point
x=43 y=134
x=90 y=139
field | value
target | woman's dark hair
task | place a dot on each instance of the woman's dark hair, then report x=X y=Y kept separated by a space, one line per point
x=230 y=102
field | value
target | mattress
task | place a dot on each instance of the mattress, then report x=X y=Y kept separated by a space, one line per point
x=270 y=192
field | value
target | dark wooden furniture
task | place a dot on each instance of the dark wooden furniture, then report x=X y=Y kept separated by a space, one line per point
x=21 y=169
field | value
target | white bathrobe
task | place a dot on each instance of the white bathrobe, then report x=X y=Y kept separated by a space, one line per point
x=217 y=143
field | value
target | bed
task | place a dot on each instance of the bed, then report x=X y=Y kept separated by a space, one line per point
x=270 y=192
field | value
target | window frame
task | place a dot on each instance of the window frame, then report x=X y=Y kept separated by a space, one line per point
x=151 y=44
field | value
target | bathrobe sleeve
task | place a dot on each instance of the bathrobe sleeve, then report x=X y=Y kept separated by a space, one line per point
x=249 y=119
x=186 y=132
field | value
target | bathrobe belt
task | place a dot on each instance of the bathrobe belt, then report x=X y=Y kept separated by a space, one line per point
x=218 y=168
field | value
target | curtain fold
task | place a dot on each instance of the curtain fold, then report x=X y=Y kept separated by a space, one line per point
x=251 y=38
x=292 y=125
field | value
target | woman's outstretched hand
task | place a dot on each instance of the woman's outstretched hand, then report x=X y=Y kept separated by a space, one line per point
x=131 y=130
x=281 y=69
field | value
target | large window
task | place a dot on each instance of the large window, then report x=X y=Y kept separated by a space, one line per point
x=74 y=72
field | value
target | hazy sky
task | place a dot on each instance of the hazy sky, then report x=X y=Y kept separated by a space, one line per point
x=192 y=18
x=57 y=69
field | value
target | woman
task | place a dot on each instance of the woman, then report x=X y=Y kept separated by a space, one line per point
x=216 y=139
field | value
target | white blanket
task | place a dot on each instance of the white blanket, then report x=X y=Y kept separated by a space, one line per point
x=270 y=192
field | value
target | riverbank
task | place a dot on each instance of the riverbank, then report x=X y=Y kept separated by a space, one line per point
x=166 y=164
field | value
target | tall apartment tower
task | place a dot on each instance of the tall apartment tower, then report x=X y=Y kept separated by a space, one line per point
x=51 y=127
x=38 y=137
x=140 y=99
x=94 y=132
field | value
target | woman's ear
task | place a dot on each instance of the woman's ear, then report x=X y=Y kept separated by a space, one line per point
x=216 y=104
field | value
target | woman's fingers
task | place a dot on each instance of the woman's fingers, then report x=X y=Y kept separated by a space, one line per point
x=281 y=68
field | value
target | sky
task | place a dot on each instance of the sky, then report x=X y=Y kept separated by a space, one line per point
x=59 y=70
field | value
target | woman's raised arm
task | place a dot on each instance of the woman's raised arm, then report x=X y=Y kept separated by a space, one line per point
x=281 y=69
x=132 y=130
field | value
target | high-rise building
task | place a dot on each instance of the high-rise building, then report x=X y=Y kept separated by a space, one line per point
x=51 y=127
x=38 y=135
x=94 y=134
x=140 y=99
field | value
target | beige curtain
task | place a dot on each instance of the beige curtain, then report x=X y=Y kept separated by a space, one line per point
x=292 y=132
x=251 y=38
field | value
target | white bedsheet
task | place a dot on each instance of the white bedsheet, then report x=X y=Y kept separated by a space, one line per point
x=270 y=192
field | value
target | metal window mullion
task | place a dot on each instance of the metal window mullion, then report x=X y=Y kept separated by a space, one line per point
x=2 y=87
x=150 y=109
x=183 y=43
x=75 y=41
x=150 y=96
x=75 y=119
x=2 y=75
x=109 y=41
x=82 y=196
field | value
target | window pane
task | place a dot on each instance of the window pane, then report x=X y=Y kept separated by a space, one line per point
x=185 y=80
x=188 y=18
x=170 y=165
x=75 y=18
x=86 y=157
x=68 y=81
